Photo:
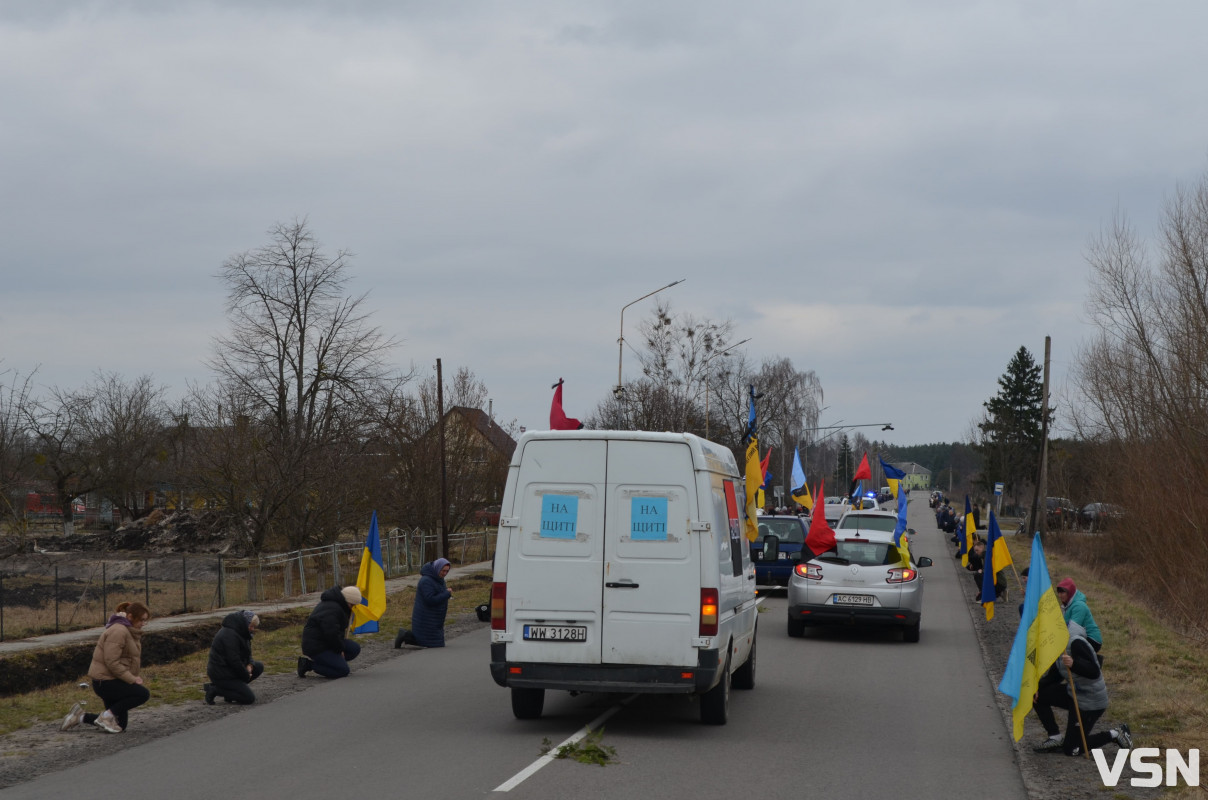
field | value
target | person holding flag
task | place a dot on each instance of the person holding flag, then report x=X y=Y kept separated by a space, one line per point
x=1039 y=641
x=967 y=533
x=371 y=581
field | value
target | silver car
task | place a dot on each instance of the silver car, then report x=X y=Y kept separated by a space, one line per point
x=864 y=581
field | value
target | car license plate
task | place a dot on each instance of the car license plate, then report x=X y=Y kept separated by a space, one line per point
x=853 y=599
x=556 y=633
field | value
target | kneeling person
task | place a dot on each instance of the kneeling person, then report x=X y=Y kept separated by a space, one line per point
x=230 y=666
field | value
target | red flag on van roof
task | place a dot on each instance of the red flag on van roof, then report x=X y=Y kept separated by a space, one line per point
x=558 y=421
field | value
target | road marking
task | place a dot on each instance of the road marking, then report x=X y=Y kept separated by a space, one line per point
x=524 y=774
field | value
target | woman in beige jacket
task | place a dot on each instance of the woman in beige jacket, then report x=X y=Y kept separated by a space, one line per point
x=115 y=671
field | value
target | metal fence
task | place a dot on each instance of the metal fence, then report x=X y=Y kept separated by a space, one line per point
x=56 y=597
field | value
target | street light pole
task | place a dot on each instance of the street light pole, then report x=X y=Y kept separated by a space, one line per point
x=707 y=360
x=621 y=340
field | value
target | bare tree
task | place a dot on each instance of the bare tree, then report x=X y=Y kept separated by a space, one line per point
x=124 y=423
x=65 y=455
x=1142 y=391
x=15 y=447
x=296 y=373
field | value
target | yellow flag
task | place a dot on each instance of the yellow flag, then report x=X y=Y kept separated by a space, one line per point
x=754 y=479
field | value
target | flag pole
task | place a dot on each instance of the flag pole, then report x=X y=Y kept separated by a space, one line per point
x=1069 y=674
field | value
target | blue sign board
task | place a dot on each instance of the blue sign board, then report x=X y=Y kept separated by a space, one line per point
x=648 y=519
x=559 y=516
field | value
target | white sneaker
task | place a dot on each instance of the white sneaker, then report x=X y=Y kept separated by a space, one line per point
x=73 y=717
x=108 y=723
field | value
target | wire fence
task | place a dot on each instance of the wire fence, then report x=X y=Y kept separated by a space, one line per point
x=64 y=596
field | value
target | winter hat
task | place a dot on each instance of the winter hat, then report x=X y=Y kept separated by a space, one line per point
x=251 y=617
x=1023 y=573
x=440 y=564
x=352 y=595
x=1068 y=585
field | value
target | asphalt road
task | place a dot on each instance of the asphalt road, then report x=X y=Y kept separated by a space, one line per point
x=838 y=714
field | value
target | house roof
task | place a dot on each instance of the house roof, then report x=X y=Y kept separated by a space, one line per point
x=490 y=430
x=911 y=468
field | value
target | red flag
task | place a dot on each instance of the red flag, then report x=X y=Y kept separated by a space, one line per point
x=820 y=537
x=863 y=473
x=558 y=421
x=763 y=465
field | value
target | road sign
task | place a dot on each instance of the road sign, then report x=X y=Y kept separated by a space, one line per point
x=998 y=489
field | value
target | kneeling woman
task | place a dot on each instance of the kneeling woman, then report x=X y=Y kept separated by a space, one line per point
x=116 y=663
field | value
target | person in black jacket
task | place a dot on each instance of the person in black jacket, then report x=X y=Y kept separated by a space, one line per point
x=324 y=647
x=230 y=666
x=432 y=597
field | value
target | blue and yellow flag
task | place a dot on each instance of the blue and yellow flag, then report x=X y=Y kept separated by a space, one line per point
x=893 y=476
x=899 y=532
x=998 y=558
x=800 y=490
x=371 y=580
x=968 y=531
x=754 y=480
x=1040 y=640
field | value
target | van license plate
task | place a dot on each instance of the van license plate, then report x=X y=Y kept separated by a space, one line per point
x=556 y=633
x=853 y=599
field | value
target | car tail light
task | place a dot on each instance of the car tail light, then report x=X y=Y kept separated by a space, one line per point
x=812 y=572
x=901 y=575
x=708 y=612
x=499 y=606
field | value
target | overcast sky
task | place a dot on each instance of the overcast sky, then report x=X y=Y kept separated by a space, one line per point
x=896 y=196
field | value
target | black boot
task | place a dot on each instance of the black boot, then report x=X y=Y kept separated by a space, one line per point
x=210 y=693
x=400 y=638
x=304 y=666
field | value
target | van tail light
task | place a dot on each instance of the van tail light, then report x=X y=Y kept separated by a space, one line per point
x=708 y=612
x=499 y=606
x=901 y=575
x=811 y=572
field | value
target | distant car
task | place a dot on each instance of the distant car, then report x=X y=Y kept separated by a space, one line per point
x=1098 y=516
x=855 y=521
x=791 y=531
x=488 y=516
x=1060 y=513
x=864 y=581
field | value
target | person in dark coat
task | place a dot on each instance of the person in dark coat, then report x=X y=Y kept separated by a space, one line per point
x=431 y=605
x=324 y=646
x=230 y=667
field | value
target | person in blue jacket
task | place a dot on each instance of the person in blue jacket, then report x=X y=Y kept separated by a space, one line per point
x=431 y=605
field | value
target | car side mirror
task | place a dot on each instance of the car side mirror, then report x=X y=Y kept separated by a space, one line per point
x=771 y=547
x=924 y=561
x=796 y=557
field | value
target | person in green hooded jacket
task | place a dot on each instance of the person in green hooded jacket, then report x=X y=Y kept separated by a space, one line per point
x=1075 y=609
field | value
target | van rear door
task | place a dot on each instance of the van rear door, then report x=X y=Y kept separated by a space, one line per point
x=556 y=560
x=652 y=573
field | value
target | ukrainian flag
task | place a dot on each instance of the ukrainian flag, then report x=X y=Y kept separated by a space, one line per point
x=899 y=531
x=970 y=530
x=893 y=476
x=1040 y=640
x=371 y=580
x=998 y=558
x=754 y=479
x=800 y=491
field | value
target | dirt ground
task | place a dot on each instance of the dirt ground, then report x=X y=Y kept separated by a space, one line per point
x=26 y=754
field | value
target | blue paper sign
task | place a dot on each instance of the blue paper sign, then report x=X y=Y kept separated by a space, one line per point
x=559 y=516
x=648 y=519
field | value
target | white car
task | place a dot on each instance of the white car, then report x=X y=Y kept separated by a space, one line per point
x=866 y=581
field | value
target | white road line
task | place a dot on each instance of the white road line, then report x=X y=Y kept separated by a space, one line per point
x=523 y=775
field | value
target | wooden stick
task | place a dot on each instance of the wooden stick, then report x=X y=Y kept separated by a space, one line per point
x=1069 y=674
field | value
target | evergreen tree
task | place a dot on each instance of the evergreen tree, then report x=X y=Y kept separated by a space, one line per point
x=1011 y=428
x=844 y=468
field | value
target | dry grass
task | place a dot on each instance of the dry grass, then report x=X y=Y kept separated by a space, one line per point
x=1155 y=674
x=181 y=680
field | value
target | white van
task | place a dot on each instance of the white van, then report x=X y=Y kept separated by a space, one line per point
x=621 y=566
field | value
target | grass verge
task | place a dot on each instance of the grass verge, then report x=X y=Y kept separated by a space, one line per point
x=278 y=648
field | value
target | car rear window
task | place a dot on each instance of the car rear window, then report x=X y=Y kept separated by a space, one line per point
x=869 y=523
x=866 y=554
x=789 y=529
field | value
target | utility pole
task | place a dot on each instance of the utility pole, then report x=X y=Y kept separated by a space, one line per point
x=443 y=550
x=1040 y=506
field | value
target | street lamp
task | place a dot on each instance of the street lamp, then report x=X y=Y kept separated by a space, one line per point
x=707 y=360
x=621 y=341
